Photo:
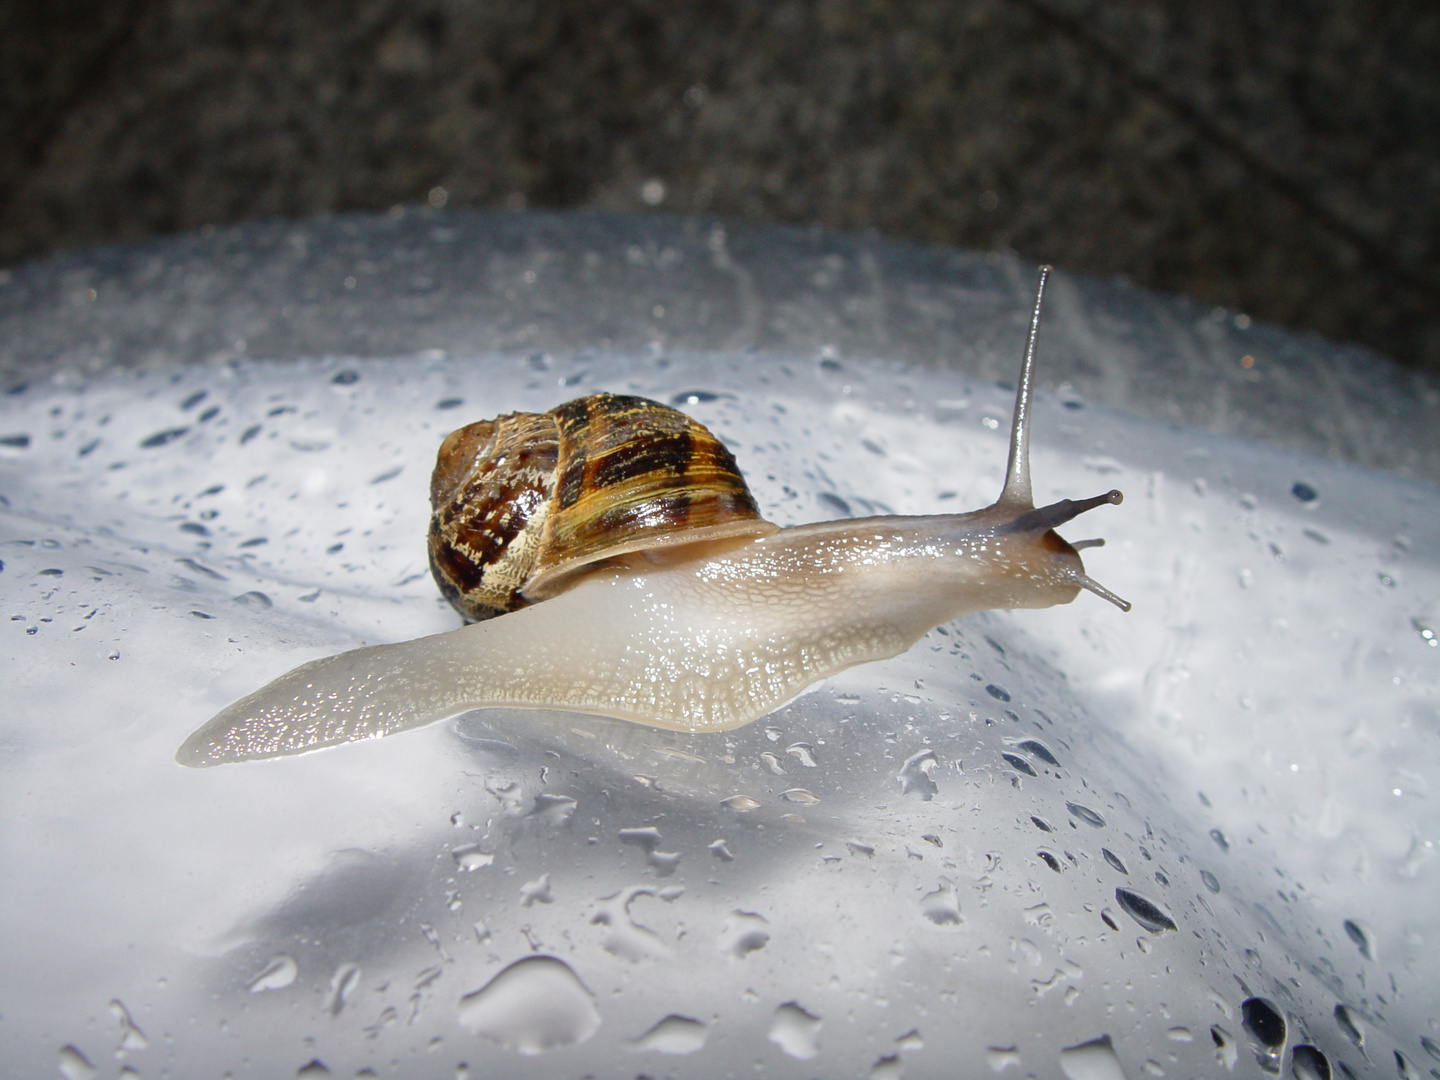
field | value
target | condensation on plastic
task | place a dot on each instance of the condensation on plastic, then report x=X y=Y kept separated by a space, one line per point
x=1062 y=842
x=473 y=282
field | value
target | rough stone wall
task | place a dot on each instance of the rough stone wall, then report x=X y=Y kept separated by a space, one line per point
x=1275 y=157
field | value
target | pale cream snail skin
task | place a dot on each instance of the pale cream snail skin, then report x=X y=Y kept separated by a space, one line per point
x=698 y=638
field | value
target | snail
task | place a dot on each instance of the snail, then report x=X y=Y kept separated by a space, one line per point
x=640 y=582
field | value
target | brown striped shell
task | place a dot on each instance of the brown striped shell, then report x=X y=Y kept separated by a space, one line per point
x=524 y=505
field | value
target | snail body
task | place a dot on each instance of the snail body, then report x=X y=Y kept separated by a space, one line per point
x=698 y=633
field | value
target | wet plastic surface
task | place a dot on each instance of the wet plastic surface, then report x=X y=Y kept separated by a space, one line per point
x=1191 y=840
x=472 y=282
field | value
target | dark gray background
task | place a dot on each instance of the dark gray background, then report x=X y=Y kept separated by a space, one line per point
x=1276 y=157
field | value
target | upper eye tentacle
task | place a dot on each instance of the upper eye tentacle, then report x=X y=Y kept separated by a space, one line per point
x=1016 y=491
x=1058 y=513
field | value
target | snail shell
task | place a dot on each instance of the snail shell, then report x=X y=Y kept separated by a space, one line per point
x=525 y=505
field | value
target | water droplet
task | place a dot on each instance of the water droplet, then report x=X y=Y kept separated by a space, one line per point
x=1226 y=1052
x=1039 y=749
x=534 y=1005
x=743 y=932
x=1114 y=860
x=1001 y=1058
x=1210 y=880
x=673 y=1035
x=342 y=984
x=803 y=753
x=1430 y=1046
x=1093 y=1060
x=1019 y=763
x=1404 y=1068
x=1179 y=1034
x=664 y=862
x=1304 y=492
x=799 y=795
x=911 y=1040
x=1219 y=838
x=772 y=763
x=741 y=804
x=470 y=857
x=131 y=1037
x=721 y=851
x=74 y=1065
x=1039 y=914
x=1027 y=949
x=647 y=837
x=553 y=809
x=257 y=600
x=1049 y=860
x=796 y=1031
x=697 y=397
x=887 y=1068
x=1351 y=1024
x=1308 y=1063
x=160 y=438
x=1041 y=824
x=941 y=906
x=914 y=775
x=312 y=1069
x=999 y=693
x=1359 y=933
x=536 y=892
x=1263 y=1022
x=1145 y=912
x=347 y=377
x=279 y=973
x=1085 y=814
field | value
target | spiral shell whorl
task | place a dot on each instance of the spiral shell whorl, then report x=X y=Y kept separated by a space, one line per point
x=490 y=494
x=525 y=504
